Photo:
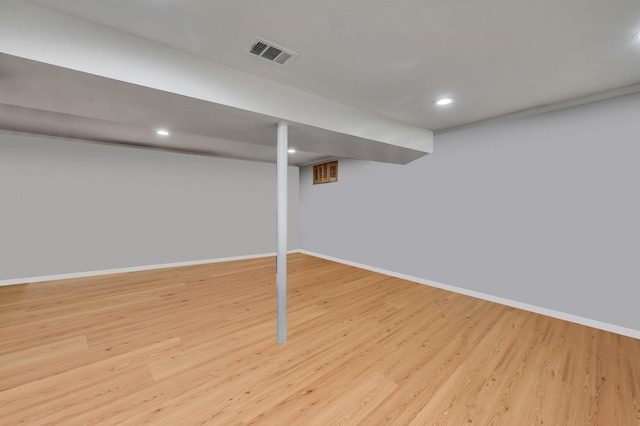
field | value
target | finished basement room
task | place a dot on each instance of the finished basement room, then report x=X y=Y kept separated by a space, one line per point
x=319 y=213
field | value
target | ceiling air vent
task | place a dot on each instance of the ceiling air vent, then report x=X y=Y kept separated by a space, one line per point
x=271 y=52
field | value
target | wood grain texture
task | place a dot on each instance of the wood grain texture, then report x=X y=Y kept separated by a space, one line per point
x=197 y=345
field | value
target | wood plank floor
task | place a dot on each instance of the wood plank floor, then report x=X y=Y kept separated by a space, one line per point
x=197 y=345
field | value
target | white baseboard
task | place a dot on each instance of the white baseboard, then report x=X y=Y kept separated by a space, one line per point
x=38 y=279
x=524 y=306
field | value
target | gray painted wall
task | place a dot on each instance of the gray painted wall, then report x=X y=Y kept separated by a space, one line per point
x=543 y=210
x=71 y=206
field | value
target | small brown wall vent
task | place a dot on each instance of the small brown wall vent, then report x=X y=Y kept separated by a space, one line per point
x=325 y=173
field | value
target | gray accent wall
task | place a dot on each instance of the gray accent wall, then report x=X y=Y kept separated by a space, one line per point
x=543 y=210
x=72 y=206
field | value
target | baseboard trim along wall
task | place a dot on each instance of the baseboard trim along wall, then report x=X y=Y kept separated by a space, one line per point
x=512 y=303
x=507 y=302
x=86 y=274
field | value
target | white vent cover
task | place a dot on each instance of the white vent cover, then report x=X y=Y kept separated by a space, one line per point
x=271 y=52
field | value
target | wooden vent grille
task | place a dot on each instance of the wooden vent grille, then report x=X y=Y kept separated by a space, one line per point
x=325 y=173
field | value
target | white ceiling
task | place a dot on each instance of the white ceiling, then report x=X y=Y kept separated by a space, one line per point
x=496 y=57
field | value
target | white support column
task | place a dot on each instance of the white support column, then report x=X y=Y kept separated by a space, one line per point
x=281 y=213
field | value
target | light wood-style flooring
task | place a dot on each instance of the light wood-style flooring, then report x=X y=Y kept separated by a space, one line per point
x=197 y=345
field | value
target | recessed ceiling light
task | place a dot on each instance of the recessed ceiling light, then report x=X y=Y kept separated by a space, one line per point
x=443 y=101
x=291 y=151
x=162 y=132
